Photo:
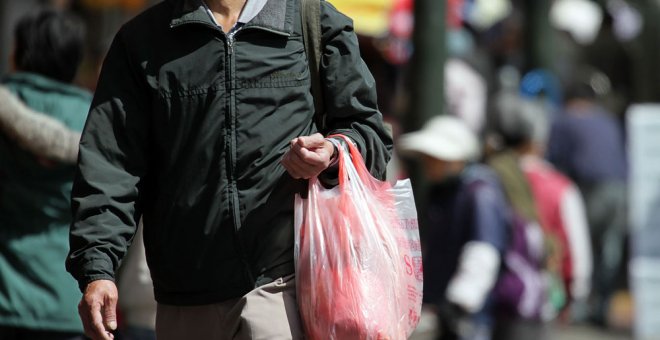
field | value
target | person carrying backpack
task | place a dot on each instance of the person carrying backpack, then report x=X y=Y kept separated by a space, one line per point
x=542 y=277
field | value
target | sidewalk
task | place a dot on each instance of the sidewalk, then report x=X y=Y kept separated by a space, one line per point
x=427 y=331
x=583 y=332
x=580 y=332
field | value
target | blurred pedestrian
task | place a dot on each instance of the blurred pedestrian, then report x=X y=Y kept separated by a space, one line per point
x=524 y=126
x=587 y=143
x=468 y=227
x=527 y=289
x=37 y=297
x=203 y=124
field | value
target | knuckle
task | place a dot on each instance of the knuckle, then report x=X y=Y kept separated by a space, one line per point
x=87 y=301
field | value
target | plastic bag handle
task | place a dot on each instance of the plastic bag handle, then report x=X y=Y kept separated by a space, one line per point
x=356 y=162
x=347 y=161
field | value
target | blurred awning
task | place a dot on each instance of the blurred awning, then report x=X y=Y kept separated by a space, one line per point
x=371 y=17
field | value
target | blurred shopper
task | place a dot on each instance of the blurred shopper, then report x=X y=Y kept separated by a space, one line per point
x=37 y=297
x=203 y=124
x=587 y=144
x=468 y=225
x=525 y=126
x=529 y=292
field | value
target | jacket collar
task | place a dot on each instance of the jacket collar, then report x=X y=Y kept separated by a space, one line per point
x=275 y=17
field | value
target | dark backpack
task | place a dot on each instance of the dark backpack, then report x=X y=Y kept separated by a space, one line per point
x=521 y=290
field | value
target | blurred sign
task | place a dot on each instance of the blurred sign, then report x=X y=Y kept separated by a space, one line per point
x=371 y=17
x=644 y=151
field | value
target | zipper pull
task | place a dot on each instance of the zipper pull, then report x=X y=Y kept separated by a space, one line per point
x=230 y=44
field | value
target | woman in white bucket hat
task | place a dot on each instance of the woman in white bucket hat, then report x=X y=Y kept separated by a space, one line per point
x=467 y=227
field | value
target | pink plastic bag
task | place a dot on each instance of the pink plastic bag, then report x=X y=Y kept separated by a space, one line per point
x=358 y=256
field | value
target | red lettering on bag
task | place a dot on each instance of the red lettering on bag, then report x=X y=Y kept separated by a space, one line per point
x=419 y=268
x=409 y=265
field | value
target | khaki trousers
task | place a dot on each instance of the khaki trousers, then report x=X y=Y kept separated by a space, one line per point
x=269 y=312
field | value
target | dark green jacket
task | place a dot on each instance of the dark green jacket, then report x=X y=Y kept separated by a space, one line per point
x=187 y=130
x=35 y=290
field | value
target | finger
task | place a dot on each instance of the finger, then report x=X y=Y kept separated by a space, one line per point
x=316 y=157
x=302 y=169
x=97 y=328
x=83 y=311
x=306 y=168
x=304 y=157
x=311 y=142
x=293 y=142
x=296 y=170
x=110 y=312
x=290 y=167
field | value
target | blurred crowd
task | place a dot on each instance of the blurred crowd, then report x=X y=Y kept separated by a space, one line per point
x=525 y=214
x=524 y=208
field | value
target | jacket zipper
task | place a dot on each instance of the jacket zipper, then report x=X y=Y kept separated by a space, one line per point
x=233 y=187
x=230 y=71
x=235 y=207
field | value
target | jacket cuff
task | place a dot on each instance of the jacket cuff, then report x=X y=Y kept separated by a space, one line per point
x=92 y=271
x=82 y=284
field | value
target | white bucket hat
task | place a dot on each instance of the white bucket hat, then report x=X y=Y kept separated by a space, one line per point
x=444 y=137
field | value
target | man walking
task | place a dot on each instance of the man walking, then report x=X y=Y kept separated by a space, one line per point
x=203 y=125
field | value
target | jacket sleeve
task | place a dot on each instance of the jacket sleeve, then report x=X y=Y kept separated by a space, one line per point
x=349 y=92
x=491 y=219
x=579 y=242
x=481 y=257
x=112 y=166
x=36 y=132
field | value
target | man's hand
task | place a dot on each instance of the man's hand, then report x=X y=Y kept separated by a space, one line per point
x=308 y=156
x=98 y=309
